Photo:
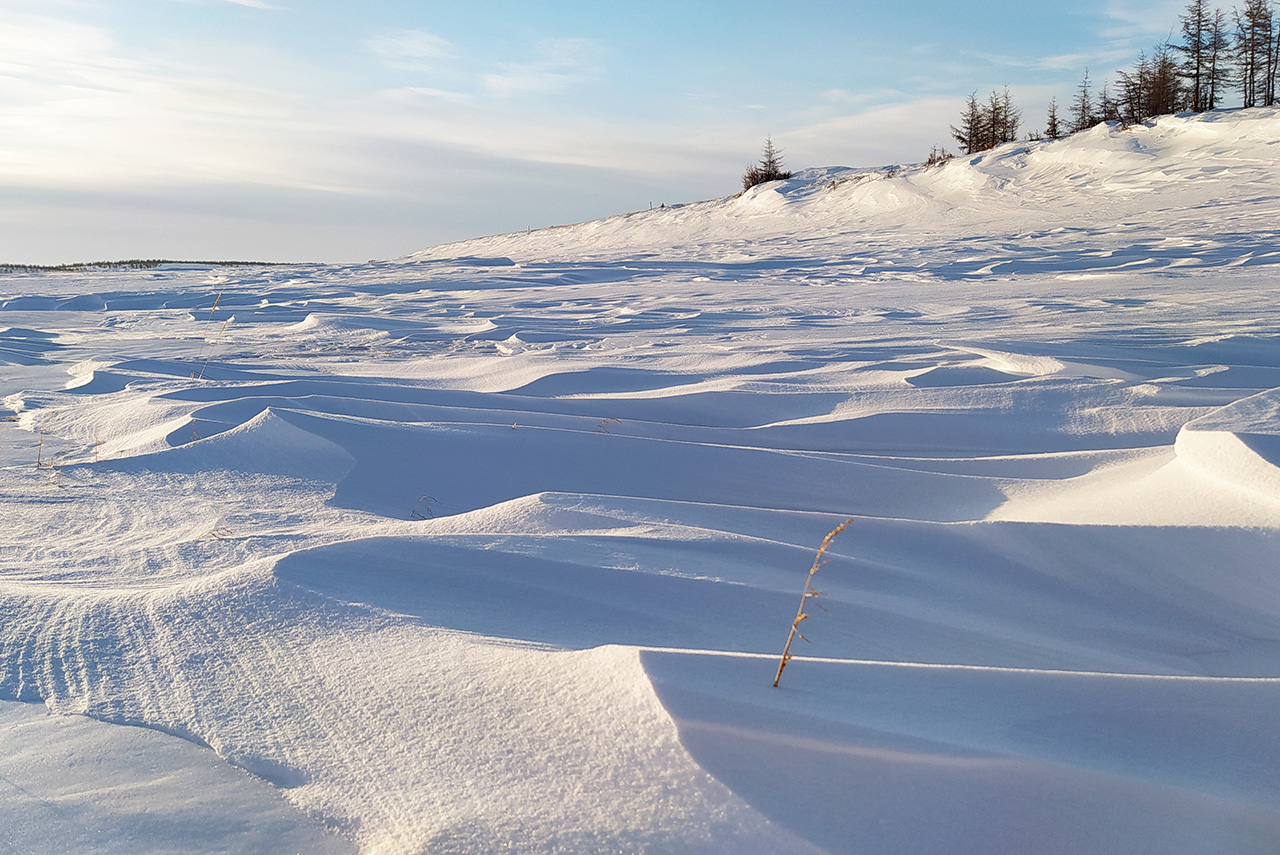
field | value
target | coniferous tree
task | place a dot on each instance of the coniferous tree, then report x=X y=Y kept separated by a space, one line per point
x=969 y=134
x=1268 y=34
x=1108 y=108
x=1082 y=115
x=768 y=169
x=1195 y=49
x=1166 y=94
x=771 y=161
x=1052 y=127
x=1219 y=66
x=1254 y=49
x=1215 y=52
x=1273 y=79
x=986 y=125
x=1002 y=118
x=1244 y=52
x=1134 y=88
x=938 y=156
x=992 y=133
x=1153 y=88
x=1011 y=117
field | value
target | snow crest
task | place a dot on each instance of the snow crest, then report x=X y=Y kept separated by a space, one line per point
x=493 y=548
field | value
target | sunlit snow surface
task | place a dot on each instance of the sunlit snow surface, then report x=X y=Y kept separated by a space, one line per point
x=493 y=548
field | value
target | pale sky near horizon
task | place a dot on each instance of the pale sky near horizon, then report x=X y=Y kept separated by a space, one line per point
x=318 y=130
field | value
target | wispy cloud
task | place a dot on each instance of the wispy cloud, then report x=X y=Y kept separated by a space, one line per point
x=1065 y=61
x=78 y=112
x=416 y=95
x=862 y=96
x=413 y=119
x=1099 y=62
x=874 y=137
x=84 y=113
x=56 y=48
x=1139 y=20
x=411 y=49
x=559 y=64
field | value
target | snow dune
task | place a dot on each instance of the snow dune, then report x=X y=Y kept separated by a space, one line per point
x=492 y=548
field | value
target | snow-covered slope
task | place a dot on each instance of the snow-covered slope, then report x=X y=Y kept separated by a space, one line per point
x=493 y=548
x=1087 y=202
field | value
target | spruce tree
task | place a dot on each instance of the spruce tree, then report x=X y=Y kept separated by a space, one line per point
x=1052 y=128
x=1134 y=102
x=1219 y=67
x=1010 y=118
x=1165 y=93
x=1255 y=51
x=1108 y=108
x=969 y=134
x=986 y=125
x=768 y=169
x=1082 y=116
x=1269 y=33
x=1195 y=49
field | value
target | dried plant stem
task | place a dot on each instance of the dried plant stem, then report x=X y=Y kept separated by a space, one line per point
x=200 y=357
x=804 y=598
x=214 y=347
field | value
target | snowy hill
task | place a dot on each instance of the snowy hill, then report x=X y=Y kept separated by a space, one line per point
x=1200 y=175
x=495 y=547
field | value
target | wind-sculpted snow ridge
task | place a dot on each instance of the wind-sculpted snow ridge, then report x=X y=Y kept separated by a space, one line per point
x=494 y=548
x=1083 y=205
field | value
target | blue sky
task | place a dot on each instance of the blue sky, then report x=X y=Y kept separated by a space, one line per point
x=341 y=131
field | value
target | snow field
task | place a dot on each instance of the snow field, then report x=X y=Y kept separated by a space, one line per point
x=491 y=548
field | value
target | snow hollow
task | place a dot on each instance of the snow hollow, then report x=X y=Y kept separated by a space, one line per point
x=494 y=548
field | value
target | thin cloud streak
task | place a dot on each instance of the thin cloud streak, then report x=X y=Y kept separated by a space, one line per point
x=896 y=133
x=560 y=63
x=153 y=126
x=1135 y=21
x=150 y=125
x=407 y=113
x=412 y=49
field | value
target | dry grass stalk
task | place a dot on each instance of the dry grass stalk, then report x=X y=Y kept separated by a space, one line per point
x=200 y=357
x=808 y=593
x=213 y=348
x=603 y=427
x=423 y=511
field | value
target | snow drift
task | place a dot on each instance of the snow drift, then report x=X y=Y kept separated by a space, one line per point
x=492 y=548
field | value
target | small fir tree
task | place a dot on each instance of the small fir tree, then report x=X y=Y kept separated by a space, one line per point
x=986 y=125
x=768 y=169
x=1053 y=126
x=1108 y=108
x=1195 y=49
x=1218 y=70
x=1082 y=115
x=969 y=134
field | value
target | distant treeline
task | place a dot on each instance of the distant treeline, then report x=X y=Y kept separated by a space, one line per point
x=1216 y=54
x=127 y=264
